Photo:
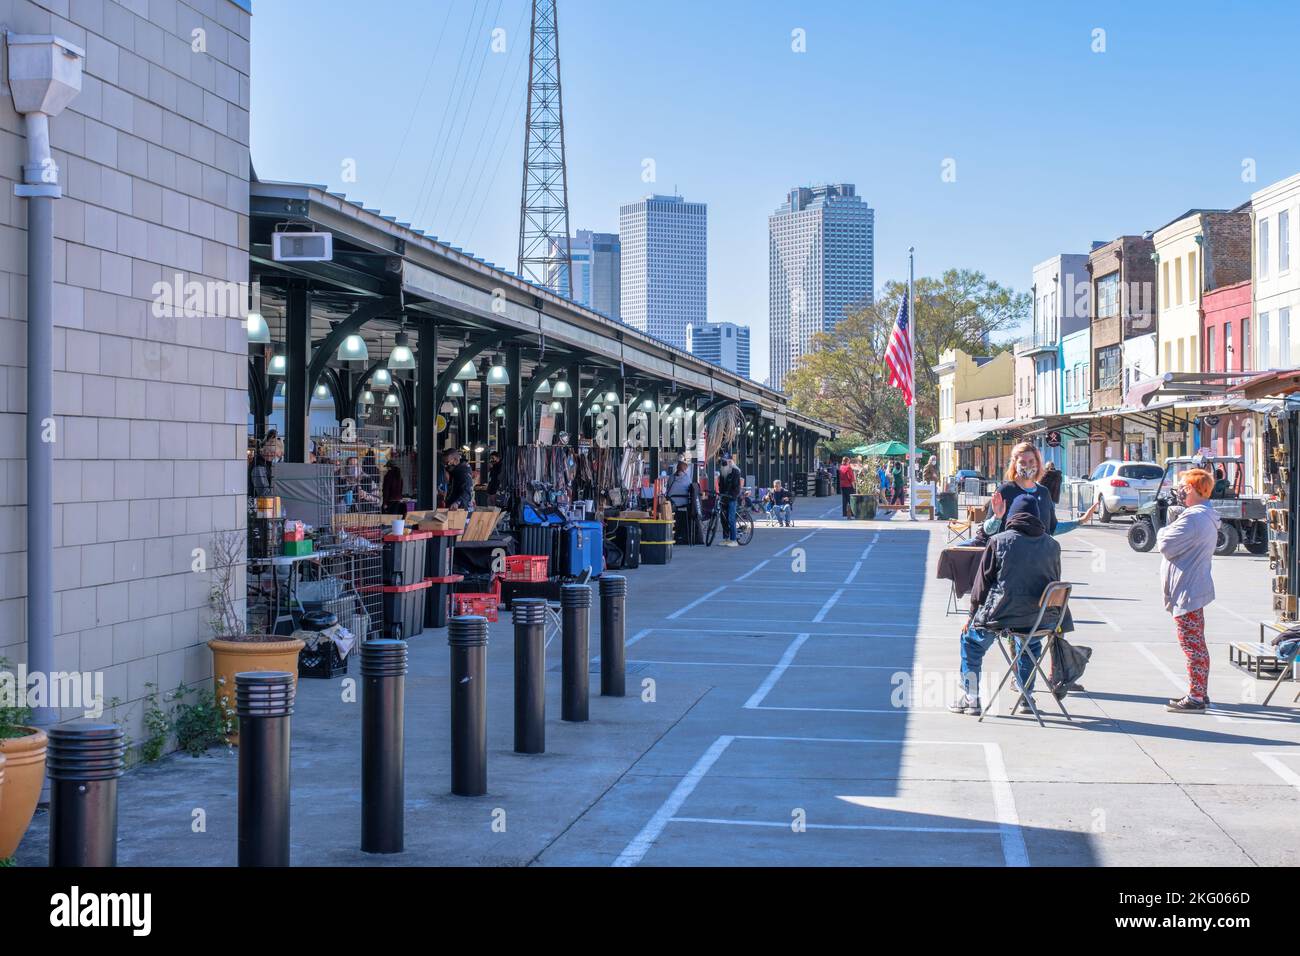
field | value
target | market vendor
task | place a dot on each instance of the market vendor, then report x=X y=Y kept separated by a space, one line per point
x=354 y=486
x=460 y=481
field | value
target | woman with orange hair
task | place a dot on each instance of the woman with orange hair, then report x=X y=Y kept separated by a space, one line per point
x=1186 y=547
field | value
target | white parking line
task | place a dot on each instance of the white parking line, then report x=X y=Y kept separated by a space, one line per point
x=758 y=567
x=1014 y=852
x=1278 y=767
x=793 y=543
x=697 y=602
x=830 y=603
x=854 y=573
x=635 y=851
x=770 y=680
x=874 y=538
x=834 y=826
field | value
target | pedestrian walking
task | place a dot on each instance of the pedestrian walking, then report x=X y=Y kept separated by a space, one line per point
x=846 y=484
x=729 y=485
x=1051 y=480
x=897 y=481
x=1186 y=546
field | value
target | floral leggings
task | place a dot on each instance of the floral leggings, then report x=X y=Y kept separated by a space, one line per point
x=1191 y=636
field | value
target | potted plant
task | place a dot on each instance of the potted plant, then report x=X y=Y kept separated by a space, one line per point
x=22 y=750
x=234 y=650
x=866 y=489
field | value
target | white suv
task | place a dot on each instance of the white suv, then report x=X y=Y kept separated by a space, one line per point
x=1117 y=485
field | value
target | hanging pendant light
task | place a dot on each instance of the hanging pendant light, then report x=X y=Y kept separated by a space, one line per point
x=497 y=374
x=648 y=404
x=279 y=390
x=367 y=397
x=473 y=408
x=259 y=333
x=279 y=364
x=500 y=411
x=611 y=398
x=381 y=379
x=544 y=388
x=594 y=410
x=455 y=389
x=467 y=372
x=455 y=410
x=562 y=389
x=401 y=357
x=391 y=400
x=557 y=406
x=322 y=391
x=353 y=349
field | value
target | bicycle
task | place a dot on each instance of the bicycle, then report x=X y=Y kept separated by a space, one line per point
x=744 y=525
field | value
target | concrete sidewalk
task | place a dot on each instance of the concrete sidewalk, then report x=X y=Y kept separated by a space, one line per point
x=787 y=707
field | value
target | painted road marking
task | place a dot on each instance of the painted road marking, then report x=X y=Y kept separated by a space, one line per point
x=775 y=675
x=1014 y=852
x=758 y=567
x=697 y=602
x=830 y=603
x=1278 y=767
x=854 y=573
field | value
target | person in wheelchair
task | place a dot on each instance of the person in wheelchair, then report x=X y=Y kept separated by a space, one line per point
x=1018 y=564
x=778 y=502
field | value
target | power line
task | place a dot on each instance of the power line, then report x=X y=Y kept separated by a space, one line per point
x=460 y=135
x=410 y=121
x=453 y=105
x=467 y=195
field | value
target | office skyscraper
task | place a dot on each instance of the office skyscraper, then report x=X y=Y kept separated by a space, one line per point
x=821 y=264
x=723 y=343
x=663 y=272
x=595 y=271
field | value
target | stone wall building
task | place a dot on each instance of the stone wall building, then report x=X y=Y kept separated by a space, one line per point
x=151 y=408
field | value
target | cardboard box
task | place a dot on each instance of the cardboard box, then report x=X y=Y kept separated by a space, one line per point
x=481 y=524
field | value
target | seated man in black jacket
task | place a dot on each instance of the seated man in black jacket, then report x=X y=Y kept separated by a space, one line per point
x=1017 y=566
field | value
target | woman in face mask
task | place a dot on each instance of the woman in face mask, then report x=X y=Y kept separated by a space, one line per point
x=1023 y=474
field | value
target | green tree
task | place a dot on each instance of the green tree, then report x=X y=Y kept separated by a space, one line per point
x=843 y=379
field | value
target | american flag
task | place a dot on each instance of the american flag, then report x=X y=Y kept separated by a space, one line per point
x=898 y=354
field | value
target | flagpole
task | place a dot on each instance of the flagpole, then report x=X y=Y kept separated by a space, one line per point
x=911 y=408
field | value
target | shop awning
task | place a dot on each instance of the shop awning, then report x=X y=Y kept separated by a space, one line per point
x=970 y=431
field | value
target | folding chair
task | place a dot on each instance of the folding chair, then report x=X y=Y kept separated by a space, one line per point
x=1288 y=668
x=958 y=530
x=1055 y=595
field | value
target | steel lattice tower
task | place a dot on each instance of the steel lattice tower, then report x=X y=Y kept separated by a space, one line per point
x=544 y=255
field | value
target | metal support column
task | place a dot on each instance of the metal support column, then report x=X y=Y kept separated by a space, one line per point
x=573 y=404
x=426 y=416
x=297 y=354
x=514 y=398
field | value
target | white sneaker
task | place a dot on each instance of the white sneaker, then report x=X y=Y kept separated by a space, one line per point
x=730 y=544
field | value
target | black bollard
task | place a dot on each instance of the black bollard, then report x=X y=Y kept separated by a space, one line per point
x=84 y=760
x=575 y=606
x=468 y=636
x=530 y=675
x=613 y=624
x=383 y=746
x=264 y=704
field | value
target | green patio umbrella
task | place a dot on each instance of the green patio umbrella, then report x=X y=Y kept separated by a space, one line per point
x=884 y=449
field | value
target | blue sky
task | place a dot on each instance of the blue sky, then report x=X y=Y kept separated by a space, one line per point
x=1054 y=144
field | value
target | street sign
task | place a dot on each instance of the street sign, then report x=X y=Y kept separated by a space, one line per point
x=1054 y=439
x=1212 y=420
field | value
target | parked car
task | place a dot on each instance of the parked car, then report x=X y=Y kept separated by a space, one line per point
x=1118 y=486
x=1243 y=518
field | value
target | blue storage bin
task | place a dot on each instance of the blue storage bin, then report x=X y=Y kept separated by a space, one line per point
x=582 y=545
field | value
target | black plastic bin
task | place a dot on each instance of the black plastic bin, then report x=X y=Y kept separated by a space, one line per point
x=439 y=598
x=404 y=557
x=536 y=539
x=440 y=552
x=324 y=661
x=404 y=609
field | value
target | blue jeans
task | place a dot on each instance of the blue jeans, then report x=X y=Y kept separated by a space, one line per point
x=975 y=642
x=782 y=513
x=729 y=519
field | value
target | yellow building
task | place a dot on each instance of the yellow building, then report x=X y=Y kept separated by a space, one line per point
x=975 y=396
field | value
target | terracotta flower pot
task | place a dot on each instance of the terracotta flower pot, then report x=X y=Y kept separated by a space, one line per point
x=24 y=772
x=260 y=653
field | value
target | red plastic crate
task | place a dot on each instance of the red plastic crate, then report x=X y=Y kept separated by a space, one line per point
x=527 y=568
x=482 y=604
